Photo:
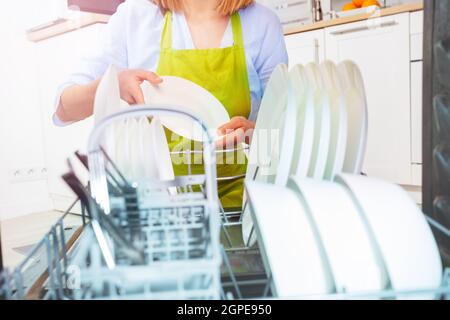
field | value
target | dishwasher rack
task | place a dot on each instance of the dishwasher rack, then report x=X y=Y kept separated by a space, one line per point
x=177 y=236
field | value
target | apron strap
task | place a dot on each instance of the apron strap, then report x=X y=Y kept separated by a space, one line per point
x=237 y=30
x=166 y=36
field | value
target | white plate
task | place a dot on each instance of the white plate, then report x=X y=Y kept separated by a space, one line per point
x=140 y=150
x=148 y=158
x=107 y=96
x=305 y=121
x=264 y=149
x=161 y=151
x=322 y=124
x=189 y=97
x=287 y=124
x=354 y=263
x=268 y=133
x=126 y=147
x=106 y=102
x=338 y=137
x=118 y=156
x=358 y=79
x=401 y=231
x=141 y=124
x=123 y=149
x=135 y=146
x=354 y=95
x=288 y=243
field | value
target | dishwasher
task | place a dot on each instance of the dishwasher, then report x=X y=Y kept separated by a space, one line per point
x=139 y=240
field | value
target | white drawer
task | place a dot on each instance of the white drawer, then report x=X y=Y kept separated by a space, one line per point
x=416 y=32
x=416 y=47
x=416 y=112
x=416 y=174
x=416 y=22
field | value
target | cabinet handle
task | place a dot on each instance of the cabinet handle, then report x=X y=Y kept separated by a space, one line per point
x=358 y=29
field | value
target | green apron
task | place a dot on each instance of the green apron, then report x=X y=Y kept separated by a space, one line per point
x=223 y=72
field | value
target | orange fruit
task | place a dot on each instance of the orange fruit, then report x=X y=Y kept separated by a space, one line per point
x=349 y=6
x=368 y=3
x=358 y=3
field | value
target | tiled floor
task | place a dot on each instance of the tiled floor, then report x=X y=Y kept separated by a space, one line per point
x=20 y=234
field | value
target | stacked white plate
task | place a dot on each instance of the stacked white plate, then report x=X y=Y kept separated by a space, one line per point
x=312 y=123
x=355 y=266
x=288 y=241
x=354 y=235
x=266 y=147
x=327 y=229
x=400 y=231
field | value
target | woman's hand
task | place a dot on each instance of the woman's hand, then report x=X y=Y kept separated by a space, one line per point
x=237 y=130
x=130 y=81
x=77 y=101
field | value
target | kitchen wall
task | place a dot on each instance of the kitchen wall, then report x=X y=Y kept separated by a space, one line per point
x=21 y=134
x=31 y=147
x=58 y=57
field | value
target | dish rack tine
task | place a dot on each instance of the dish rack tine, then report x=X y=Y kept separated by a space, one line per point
x=117 y=185
x=103 y=245
x=56 y=255
x=126 y=183
x=446 y=283
x=60 y=224
x=9 y=290
x=231 y=273
x=103 y=220
x=250 y=236
x=438 y=226
x=50 y=265
x=267 y=287
x=247 y=199
x=18 y=280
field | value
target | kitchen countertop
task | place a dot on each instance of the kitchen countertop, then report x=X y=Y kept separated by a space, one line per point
x=409 y=7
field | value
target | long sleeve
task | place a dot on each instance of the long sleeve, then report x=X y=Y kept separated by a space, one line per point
x=273 y=49
x=111 y=49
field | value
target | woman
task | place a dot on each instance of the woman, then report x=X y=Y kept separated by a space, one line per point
x=229 y=47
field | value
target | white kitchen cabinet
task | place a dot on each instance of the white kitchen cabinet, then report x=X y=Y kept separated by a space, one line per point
x=416 y=46
x=416 y=112
x=306 y=47
x=416 y=122
x=381 y=48
x=416 y=31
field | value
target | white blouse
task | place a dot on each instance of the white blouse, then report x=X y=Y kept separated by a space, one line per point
x=131 y=40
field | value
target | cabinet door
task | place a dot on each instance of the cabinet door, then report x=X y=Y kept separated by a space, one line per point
x=416 y=122
x=416 y=31
x=380 y=47
x=306 y=47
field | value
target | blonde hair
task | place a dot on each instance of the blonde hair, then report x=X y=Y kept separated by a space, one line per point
x=226 y=7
